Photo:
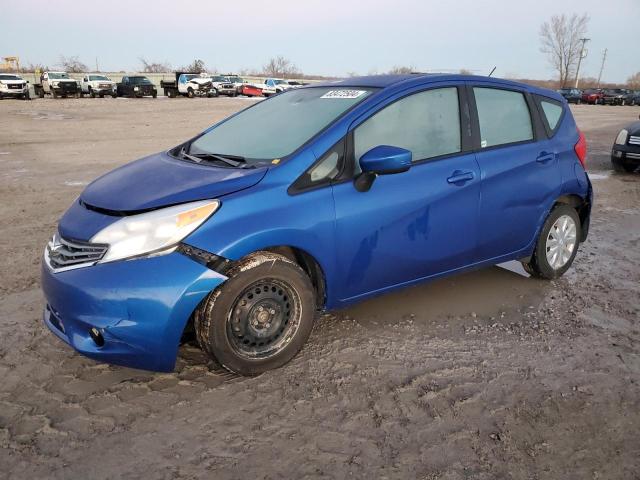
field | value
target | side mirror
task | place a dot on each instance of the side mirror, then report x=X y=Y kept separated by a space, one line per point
x=382 y=160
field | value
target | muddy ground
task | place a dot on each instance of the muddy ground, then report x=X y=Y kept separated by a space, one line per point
x=486 y=375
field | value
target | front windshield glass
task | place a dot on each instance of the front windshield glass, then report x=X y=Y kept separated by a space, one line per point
x=58 y=75
x=139 y=80
x=189 y=77
x=9 y=77
x=275 y=128
x=98 y=77
x=280 y=82
x=220 y=79
x=236 y=80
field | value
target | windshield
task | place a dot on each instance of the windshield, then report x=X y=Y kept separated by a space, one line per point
x=9 y=77
x=275 y=128
x=236 y=80
x=98 y=77
x=139 y=80
x=190 y=76
x=220 y=79
x=280 y=82
x=58 y=75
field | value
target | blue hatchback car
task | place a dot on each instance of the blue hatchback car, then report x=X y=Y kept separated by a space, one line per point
x=314 y=199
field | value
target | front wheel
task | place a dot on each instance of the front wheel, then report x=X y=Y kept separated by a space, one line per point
x=557 y=244
x=260 y=318
x=190 y=93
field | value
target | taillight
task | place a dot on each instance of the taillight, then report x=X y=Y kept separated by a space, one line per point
x=581 y=148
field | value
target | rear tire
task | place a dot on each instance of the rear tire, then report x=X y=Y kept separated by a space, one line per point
x=557 y=244
x=260 y=318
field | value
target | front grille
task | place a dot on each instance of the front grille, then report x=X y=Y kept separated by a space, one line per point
x=61 y=253
x=634 y=156
x=16 y=86
x=634 y=140
x=104 y=85
x=68 y=86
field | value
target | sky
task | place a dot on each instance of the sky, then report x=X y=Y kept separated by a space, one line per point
x=324 y=37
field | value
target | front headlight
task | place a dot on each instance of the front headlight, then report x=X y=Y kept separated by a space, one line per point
x=135 y=89
x=621 y=139
x=153 y=232
x=55 y=84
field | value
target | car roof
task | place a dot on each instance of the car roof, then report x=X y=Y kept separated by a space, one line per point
x=408 y=80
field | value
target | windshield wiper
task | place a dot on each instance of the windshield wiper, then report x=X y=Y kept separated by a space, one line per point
x=200 y=157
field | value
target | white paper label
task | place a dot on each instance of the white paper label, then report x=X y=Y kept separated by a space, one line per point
x=344 y=94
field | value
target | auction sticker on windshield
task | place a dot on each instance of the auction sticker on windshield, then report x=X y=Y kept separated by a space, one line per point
x=344 y=94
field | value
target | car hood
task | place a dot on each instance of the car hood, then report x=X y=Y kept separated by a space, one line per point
x=160 y=180
x=12 y=82
x=633 y=129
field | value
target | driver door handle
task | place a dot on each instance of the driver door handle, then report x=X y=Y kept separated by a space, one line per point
x=460 y=178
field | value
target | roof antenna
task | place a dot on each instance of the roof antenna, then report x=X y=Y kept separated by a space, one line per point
x=492 y=70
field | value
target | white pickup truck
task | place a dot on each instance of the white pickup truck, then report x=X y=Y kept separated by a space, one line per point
x=189 y=85
x=94 y=84
x=13 y=86
x=57 y=84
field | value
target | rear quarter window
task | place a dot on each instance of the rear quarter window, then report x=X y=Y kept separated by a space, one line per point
x=503 y=116
x=551 y=113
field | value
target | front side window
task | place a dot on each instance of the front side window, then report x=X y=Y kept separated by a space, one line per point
x=503 y=116
x=277 y=127
x=425 y=123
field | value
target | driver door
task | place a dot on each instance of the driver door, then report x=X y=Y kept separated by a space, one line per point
x=415 y=224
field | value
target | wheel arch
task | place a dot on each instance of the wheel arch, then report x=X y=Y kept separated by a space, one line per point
x=582 y=206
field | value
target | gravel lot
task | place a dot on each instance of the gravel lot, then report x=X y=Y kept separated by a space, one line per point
x=486 y=375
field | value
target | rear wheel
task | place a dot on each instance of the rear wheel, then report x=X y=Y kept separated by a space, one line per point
x=260 y=318
x=557 y=244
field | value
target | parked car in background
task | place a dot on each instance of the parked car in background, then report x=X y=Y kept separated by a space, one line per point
x=136 y=86
x=251 y=90
x=632 y=97
x=57 y=84
x=376 y=183
x=625 y=154
x=572 y=95
x=278 y=84
x=188 y=85
x=592 y=96
x=237 y=81
x=296 y=83
x=614 y=96
x=95 y=84
x=223 y=86
x=13 y=86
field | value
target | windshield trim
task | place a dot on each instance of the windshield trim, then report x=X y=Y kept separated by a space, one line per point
x=174 y=152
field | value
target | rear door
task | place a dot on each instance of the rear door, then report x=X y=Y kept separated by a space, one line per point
x=418 y=223
x=519 y=169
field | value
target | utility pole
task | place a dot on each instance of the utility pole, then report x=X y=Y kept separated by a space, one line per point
x=604 y=57
x=97 y=67
x=583 y=53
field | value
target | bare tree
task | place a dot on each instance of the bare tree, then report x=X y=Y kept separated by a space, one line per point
x=633 y=82
x=154 y=67
x=560 y=40
x=401 y=70
x=280 y=67
x=197 y=66
x=72 y=64
x=465 y=71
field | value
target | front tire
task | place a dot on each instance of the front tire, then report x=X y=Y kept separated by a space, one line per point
x=260 y=318
x=557 y=244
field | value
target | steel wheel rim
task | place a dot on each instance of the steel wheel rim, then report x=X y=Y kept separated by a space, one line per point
x=561 y=242
x=263 y=319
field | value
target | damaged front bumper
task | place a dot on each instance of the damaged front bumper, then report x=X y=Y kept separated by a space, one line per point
x=129 y=313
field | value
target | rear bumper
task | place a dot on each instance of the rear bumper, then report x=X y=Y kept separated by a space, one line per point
x=140 y=307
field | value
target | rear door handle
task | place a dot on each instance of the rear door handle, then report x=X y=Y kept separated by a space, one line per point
x=545 y=157
x=459 y=177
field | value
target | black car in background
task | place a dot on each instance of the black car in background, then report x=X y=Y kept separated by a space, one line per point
x=136 y=86
x=572 y=95
x=632 y=98
x=625 y=154
x=614 y=96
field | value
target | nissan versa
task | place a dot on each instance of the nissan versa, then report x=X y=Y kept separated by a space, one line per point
x=314 y=199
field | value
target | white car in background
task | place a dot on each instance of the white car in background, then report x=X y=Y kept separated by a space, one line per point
x=95 y=84
x=13 y=86
x=223 y=86
x=278 y=84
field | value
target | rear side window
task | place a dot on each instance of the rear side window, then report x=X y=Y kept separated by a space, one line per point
x=503 y=115
x=552 y=114
x=426 y=123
